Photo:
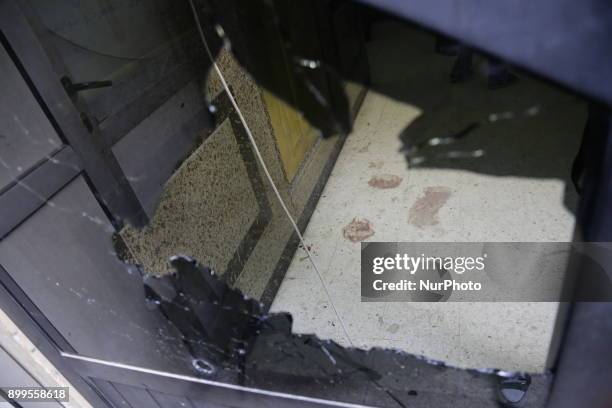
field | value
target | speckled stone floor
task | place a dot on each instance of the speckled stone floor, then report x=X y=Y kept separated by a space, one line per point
x=516 y=191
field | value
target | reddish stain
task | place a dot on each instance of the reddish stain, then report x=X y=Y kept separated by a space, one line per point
x=385 y=181
x=424 y=211
x=358 y=230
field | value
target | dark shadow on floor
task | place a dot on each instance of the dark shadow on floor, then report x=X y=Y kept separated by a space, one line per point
x=529 y=129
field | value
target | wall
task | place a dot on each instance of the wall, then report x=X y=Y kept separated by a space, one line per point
x=211 y=203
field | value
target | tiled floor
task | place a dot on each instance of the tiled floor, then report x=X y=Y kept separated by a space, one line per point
x=489 y=199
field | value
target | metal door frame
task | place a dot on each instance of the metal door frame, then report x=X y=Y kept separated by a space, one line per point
x=99 y=163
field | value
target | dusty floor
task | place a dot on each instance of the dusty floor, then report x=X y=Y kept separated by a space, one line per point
x=515 y=190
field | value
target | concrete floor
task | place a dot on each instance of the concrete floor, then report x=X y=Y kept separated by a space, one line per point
x=515 y=192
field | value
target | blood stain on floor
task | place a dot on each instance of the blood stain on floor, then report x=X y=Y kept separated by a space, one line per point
x=358 y=230
x=385 y=181
x=424 y=211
